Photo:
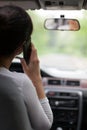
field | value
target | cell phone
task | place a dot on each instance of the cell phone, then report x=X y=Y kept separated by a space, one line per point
x=27 y=48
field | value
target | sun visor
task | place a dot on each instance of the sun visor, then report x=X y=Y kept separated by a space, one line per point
x=26 y=4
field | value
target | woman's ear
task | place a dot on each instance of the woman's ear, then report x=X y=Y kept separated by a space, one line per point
x=19 y=50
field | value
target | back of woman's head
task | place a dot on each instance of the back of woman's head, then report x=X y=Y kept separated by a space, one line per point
x=15 y=27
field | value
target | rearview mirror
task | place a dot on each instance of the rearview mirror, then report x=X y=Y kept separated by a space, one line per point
x=62 y=24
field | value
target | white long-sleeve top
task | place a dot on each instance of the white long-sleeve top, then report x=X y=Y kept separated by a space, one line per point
x=39 y=111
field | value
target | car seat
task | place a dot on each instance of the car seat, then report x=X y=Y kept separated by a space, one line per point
x=13 y=113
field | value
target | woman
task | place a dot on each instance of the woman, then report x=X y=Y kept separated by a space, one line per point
x=15 y=31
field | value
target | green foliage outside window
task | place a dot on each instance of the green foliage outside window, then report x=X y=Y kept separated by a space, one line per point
x=69 y=42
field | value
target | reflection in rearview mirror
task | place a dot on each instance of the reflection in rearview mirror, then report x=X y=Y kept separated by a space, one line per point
x=62 y=24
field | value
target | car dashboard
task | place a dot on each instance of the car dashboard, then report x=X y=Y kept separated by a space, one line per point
x=67 y=96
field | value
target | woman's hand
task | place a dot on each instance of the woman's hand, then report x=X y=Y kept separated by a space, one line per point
x=33 y=72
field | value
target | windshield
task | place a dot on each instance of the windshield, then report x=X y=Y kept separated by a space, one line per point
x=65 y=50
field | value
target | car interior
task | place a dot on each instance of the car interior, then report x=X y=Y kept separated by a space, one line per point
x=63 y=69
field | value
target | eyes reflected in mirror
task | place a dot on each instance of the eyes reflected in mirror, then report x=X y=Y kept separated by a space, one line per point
x=62 y=24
